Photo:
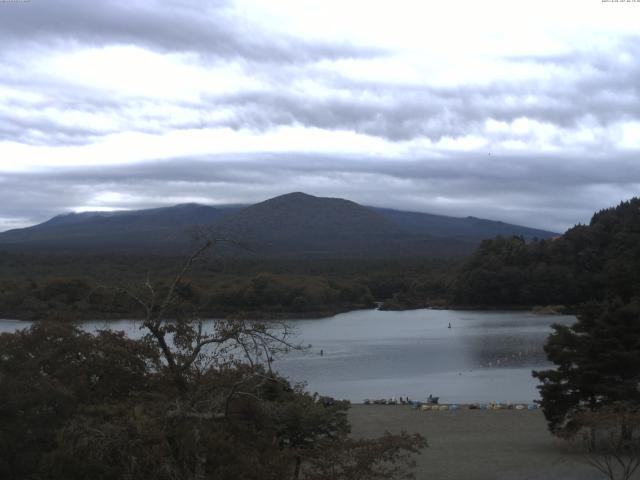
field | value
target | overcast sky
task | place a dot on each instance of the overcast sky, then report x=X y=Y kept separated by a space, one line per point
x=526 y=112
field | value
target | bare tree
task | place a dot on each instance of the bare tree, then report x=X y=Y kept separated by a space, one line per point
x=221 y=381
x=610 y=437
x=189 y=345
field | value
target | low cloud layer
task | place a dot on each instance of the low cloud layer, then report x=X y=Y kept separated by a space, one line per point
x=116 y=104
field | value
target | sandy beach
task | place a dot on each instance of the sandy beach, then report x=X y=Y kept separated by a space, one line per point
x=477 y=444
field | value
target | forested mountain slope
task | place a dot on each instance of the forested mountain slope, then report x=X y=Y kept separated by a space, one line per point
x=294 y=225
x=588 y=262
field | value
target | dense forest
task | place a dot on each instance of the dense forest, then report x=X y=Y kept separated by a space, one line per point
x=588 y=262
x=75 y=405
x=184 y=402
x=89 y=286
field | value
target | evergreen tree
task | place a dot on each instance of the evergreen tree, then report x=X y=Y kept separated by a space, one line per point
x=587 y=263
x=597 y=364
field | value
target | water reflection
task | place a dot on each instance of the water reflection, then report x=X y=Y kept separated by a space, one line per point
x=484 y=356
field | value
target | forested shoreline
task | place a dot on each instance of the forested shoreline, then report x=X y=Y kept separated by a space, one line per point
x=249 y=410
x=90 y=287
x=588 y=263
x=76 y=405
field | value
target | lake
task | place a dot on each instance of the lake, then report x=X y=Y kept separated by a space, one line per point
x=483 y=357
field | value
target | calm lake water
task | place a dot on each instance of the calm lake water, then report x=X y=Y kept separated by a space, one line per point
x=483 y=357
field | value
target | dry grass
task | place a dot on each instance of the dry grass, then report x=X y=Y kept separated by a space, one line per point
x=477 y=444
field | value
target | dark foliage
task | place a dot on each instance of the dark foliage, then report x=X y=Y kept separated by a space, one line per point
x=50 y=372
x=187 y=401
x=597 y=364
x=77 y=406
x=587 y=263
x=33 y=286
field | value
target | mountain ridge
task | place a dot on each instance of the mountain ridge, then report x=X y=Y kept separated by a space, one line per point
x=293 y=224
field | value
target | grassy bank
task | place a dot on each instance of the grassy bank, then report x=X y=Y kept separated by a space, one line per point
x=477 y=444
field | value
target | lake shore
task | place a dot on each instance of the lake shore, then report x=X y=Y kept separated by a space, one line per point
x=477 y=444
x=540 y=309
x=255 y=315
x=284 y=315
x=484 y=357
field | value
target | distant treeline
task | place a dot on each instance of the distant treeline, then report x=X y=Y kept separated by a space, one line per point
x=589 y=262
x=266 y=295
x=85 y=287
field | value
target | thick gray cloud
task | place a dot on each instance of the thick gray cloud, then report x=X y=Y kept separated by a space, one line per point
x=606 y=93
x=207 y=28
x=510 y=189
x=574 y=155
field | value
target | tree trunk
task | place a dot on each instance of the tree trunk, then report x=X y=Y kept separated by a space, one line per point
x=296 y=472
x=626 y=435
x=200 y=470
